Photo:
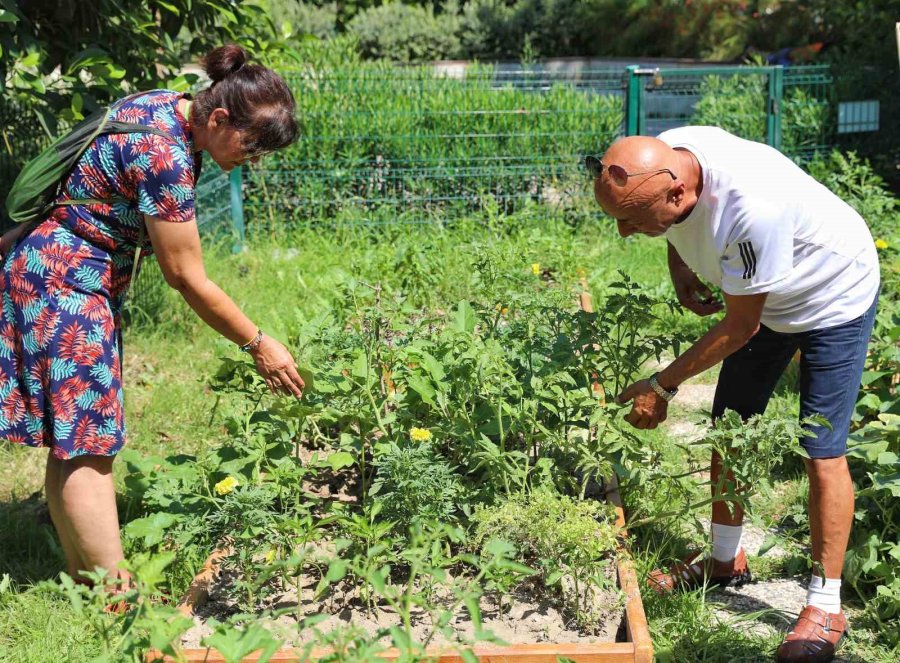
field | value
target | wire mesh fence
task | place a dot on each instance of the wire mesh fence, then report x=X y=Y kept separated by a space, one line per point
x=791 y=108
x=381 y=144
x=389 y=145
x=385 y=145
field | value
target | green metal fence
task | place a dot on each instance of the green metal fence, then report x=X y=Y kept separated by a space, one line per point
x=414 y=145
x=790 y=109
x=388 y=145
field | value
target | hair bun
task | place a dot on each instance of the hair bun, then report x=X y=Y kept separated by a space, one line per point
x=223 y=61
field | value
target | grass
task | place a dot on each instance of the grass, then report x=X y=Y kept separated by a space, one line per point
x=284 y=287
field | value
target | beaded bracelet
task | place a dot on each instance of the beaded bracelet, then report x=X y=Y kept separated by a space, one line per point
x=253 y=343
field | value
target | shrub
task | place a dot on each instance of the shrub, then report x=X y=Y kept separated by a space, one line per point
x=415 y=484
x=404 y=33
x=564 y=537
x=855 y=181
x=734 y=103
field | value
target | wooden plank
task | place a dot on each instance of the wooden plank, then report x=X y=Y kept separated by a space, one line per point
x=636 y=626
x=198 y=593
x=603 y=652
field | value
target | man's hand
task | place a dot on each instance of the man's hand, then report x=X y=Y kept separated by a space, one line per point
x=693 y=294
x=648 y=410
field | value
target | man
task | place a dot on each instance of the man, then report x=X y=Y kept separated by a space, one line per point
x=798 y=270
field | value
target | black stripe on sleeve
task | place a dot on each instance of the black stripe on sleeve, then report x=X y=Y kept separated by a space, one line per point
x=744 y=259
x=752 y=259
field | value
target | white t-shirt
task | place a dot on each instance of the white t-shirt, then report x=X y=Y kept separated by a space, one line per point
x=762 y=224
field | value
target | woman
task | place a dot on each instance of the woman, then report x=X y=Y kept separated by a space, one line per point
x=63 y=284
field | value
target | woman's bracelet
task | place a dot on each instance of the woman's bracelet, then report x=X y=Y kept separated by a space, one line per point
x=253 y=343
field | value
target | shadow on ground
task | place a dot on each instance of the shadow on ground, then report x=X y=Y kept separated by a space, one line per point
x=29 y=551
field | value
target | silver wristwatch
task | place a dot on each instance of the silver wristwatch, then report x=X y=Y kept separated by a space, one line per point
x=660 y=391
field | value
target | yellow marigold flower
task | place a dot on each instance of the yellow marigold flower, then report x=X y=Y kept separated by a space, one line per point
x=226 y=485
x=535 y=268
x=880 y=244
x=419 y=434
x=504 y=311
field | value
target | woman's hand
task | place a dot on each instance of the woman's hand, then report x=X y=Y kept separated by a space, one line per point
x=276 y=366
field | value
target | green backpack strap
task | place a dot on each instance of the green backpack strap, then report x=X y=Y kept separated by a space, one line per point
x=106 y=128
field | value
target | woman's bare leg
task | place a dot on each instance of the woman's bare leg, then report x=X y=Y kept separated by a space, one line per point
x=52 y=485
x=89 y=507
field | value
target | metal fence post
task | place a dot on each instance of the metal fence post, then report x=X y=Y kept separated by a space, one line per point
x=237 y=208
x=773 y=108
x=633 y=102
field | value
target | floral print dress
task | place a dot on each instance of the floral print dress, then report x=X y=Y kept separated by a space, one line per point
x=63 y=285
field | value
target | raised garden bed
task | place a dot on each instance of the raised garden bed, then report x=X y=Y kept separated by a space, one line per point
x=636 y=645
x=435 y=498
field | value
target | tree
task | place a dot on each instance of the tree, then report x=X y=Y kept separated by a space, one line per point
x=61 y=59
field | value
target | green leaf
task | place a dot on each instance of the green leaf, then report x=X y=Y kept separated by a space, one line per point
x=88 y=58
x=340 y=459
x=474 y=610
x=868 y=377
x=309 y=379
x=889 y=482
x=337 y=569
x=499 y=548
x=432 y=365
x=71 y=590
x=464 y=320
x=401 y=639
x=235 y=643
x=182 y=83
x=554 y=578
x=33 y=59
x=422 y=387
x=8 y=17
x=168 y=7
x=468 y=656
x=152 y=528
x=149 y=569
x=768 y=543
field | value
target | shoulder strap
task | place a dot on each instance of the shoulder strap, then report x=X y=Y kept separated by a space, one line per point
x=117 y=127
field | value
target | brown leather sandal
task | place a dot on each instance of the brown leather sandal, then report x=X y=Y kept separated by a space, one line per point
x=696 y=571
x=814 y=638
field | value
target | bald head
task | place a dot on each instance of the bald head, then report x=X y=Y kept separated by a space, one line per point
x=649 y=192
x=637 y=154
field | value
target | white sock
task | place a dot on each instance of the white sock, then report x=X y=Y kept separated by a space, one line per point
x=824 y=594
x=726 y=541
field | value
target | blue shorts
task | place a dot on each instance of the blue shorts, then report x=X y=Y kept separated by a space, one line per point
x=831 y=366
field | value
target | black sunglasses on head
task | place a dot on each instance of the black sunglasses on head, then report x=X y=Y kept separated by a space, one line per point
x=617 y=174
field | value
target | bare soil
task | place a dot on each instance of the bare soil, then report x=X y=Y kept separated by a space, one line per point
x=531 y=614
